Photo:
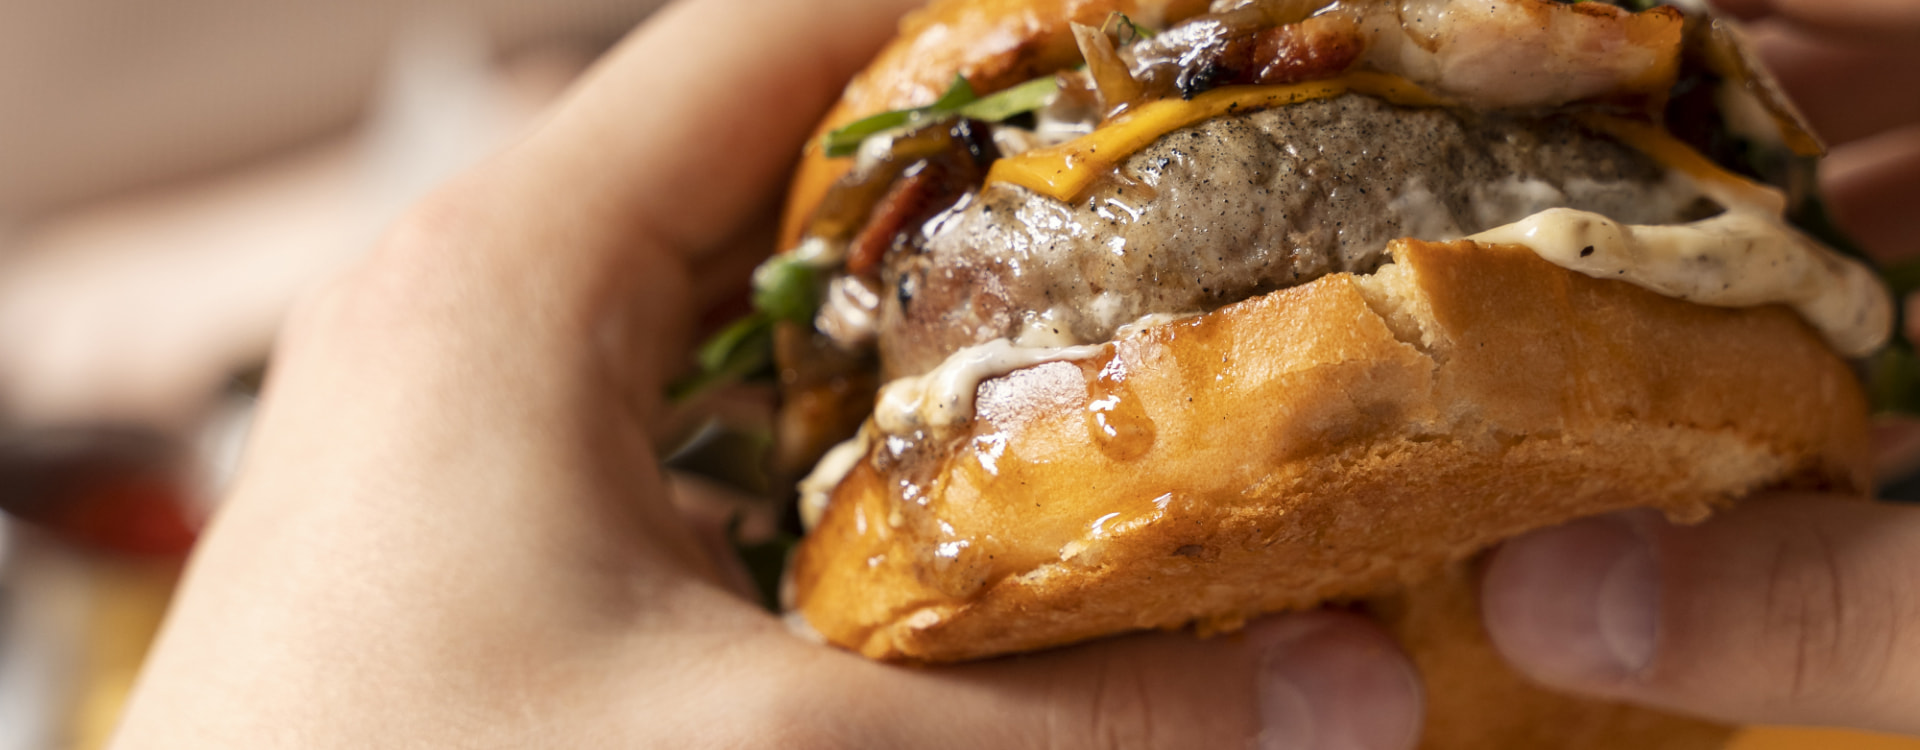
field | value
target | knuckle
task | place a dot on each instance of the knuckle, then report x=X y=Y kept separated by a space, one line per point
x=426 y=250
x=326 y=317
x=795 y=732
x=309 y=315
x=1113 y=709
x=1829 y=639
x=410 y=275
x=783 y=710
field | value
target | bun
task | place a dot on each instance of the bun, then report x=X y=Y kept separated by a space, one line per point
x=1328 y=442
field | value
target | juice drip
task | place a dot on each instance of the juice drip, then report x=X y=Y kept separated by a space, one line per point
x=1116 y=421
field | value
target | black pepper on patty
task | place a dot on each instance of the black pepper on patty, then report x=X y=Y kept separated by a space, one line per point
x=1242 y=205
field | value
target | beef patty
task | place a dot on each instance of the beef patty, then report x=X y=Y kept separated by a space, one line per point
x=1239 y=206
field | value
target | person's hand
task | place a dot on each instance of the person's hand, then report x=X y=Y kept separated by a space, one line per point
x=1789 y=609
x=451 y=530
x=1853 y=66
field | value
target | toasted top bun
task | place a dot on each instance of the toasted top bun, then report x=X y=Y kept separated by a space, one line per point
x=1325 y=442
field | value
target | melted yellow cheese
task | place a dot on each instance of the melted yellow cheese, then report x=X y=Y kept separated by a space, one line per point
x=1724 y=187
x=1064 y=172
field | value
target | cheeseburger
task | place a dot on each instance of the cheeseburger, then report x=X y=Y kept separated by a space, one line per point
x=1109 y=315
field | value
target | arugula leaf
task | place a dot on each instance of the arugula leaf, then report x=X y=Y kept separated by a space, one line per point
x=1902 y=278
x=960 y=100
x=1810 y=215
x=733 y=347
x=739 y=351
x=1018 y=100
x=787 y=288
x=959 y=93
x=846 y=141
x=1893 y=374
x=735 y=455
x=1893 y=378
x=1139 y=32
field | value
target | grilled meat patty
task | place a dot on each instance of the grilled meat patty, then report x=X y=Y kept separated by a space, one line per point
x=1239 y=206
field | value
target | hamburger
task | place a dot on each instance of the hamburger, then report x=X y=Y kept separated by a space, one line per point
x=1106 y=315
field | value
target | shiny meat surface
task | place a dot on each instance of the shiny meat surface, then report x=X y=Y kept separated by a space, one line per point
x=1239 y=206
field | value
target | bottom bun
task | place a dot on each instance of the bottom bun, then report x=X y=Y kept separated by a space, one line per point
x=1475 y=701
x=1328 y=442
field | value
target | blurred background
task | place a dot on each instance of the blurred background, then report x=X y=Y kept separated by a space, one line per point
x=172 y=177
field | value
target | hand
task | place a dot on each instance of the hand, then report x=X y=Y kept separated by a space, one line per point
x=1788 y=609
x=450 y=529
x=1795 y=609
x=1853 y=67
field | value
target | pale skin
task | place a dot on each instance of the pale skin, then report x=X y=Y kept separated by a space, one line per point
x=1789 y=609
x=449 y=530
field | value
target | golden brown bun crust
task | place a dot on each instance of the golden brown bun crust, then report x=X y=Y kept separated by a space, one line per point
x=1326 y=442
x=994 y=43
x=1475 y=701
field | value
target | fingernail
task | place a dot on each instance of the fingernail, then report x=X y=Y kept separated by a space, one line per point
x=1336 y=682
x=1576 y=604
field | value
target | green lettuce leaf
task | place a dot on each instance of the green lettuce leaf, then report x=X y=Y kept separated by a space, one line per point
x=958 y=101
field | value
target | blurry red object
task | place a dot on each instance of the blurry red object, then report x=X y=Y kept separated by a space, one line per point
x=114 y=489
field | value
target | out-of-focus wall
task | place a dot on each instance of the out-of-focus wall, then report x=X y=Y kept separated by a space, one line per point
x=173 y=174
x=101 y=96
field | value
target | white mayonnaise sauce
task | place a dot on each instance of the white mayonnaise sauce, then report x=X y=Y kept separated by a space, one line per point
x=943 y=397
x=1151 y=320
x=817 y=488
x=850 y=312
x=1741 y=258
x=1047 y=328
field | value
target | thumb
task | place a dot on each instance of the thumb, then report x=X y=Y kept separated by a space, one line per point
x=1790 y=609
x=1315 y=681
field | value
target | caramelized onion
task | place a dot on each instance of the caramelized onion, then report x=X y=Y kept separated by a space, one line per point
x=1727 y=53
x=1110 y=75
x=1268 y=12
x=1314 y=49
x=1247 y=44
x=849 y=204
x=907 y=198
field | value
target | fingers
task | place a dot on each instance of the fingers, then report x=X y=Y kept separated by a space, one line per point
x=1790 y=609
x=694 y=121
x=1882 y=20
x=1873 y=187
x=1320 y=680
x=1848 y=90
x=1849 y=66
